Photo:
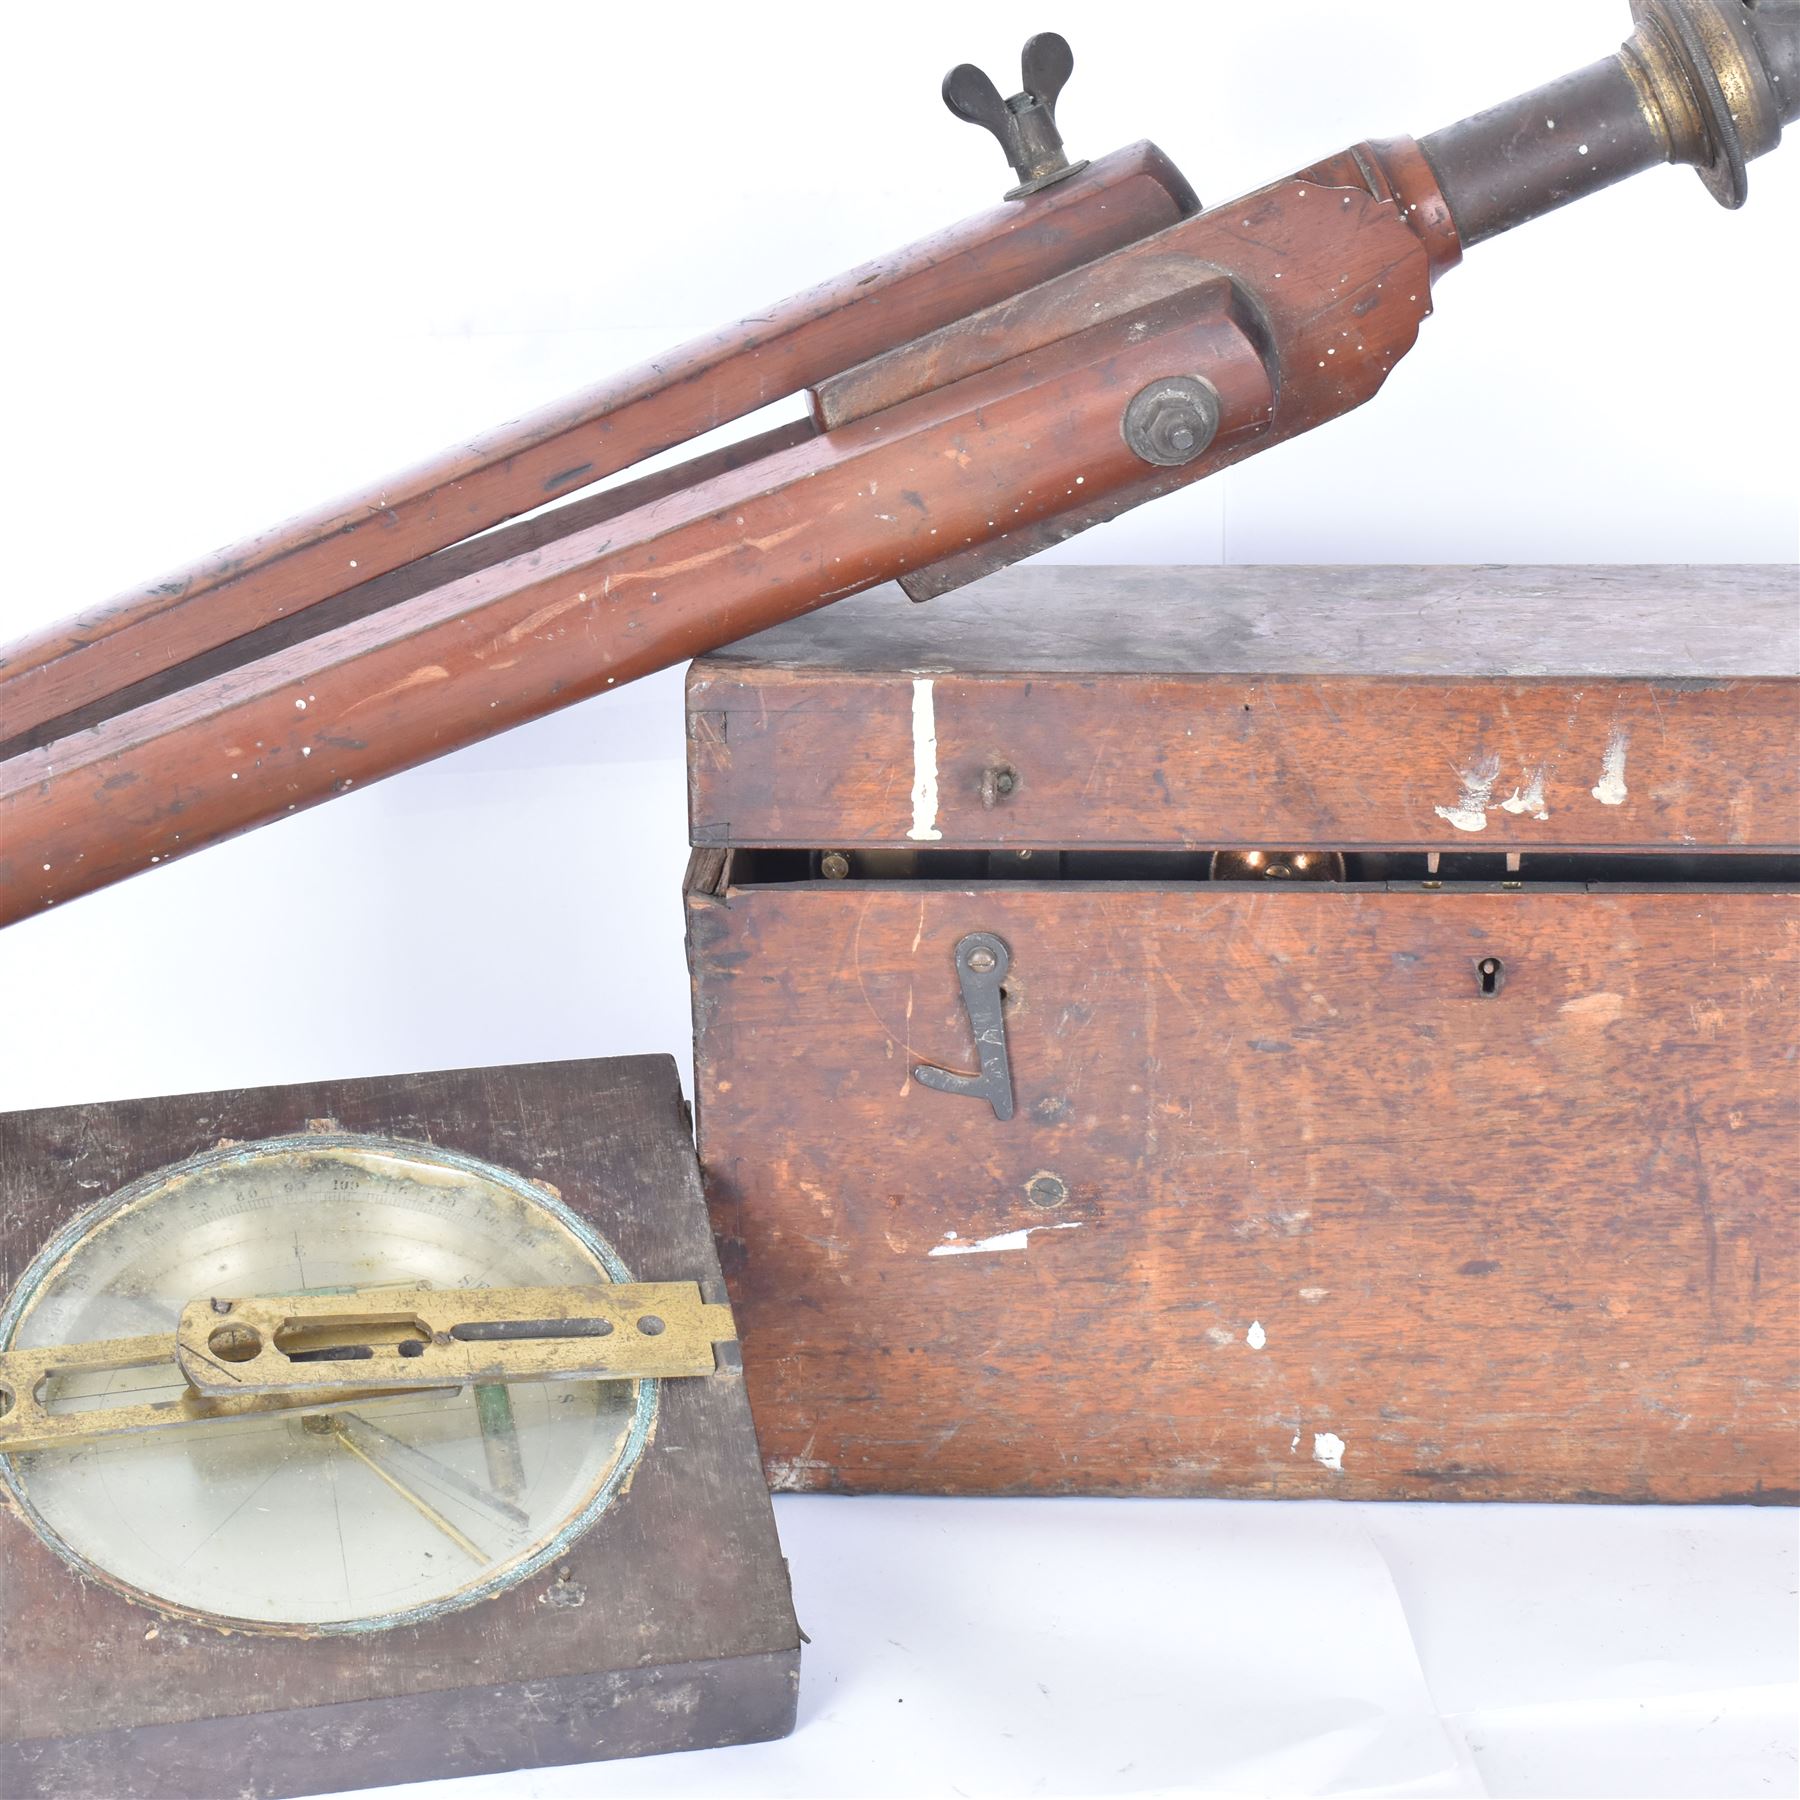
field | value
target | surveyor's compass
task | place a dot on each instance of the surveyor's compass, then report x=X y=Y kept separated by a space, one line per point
x=373 y=1431
x=404 y=1415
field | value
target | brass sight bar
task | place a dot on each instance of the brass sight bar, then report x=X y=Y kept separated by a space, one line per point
x=311 y=1353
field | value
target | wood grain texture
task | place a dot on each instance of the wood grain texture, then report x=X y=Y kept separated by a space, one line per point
x=1172 y=708
x=1334 y=267
x=1488 y=621
x=578 y=441
x=610 y=602
x=1319 y=1193
x=1295 y=303
x=691 y=1639
x=368 y=598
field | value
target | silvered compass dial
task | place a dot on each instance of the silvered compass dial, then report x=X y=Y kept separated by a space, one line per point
x=376 y=1509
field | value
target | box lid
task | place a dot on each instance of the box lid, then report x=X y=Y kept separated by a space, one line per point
x=1450 y=707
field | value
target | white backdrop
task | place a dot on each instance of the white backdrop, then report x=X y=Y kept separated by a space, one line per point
x=261 y=255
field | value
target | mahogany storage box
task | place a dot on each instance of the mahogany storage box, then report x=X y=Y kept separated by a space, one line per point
x=1454 y=1160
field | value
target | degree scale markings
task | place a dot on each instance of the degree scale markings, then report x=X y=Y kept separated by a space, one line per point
x=235 y=1519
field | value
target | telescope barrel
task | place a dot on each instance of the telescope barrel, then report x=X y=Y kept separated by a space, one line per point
x=1704 y=82
x=1542 y=150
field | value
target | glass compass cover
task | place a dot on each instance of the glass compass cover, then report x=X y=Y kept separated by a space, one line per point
x=374 y=1514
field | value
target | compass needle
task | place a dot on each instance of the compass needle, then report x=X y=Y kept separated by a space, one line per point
x=175 y=1462
x=396 y=1454
x=410 y=1495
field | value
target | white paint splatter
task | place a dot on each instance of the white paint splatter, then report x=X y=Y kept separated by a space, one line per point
x=1530 y=798
x=1314 y=1294
x=1007 y=1240
x=925 y=770
x=1295 y=1445
x=1611 y=790
x=793 y=1474
x=1470 y=812
x=1328 y=1449
x=1256 y=1337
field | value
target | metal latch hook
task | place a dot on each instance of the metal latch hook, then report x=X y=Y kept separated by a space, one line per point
x=982 y=961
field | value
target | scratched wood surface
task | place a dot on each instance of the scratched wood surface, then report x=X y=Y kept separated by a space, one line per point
x=608 y=603
x=1329 y=278
x=548 y=455
x=686 y=1634
x=1428 y=708
x=1287 y=1207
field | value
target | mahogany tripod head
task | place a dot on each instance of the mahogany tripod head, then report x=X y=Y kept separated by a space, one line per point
x=1094 y=342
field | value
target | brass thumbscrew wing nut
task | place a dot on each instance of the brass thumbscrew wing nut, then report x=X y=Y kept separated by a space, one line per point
x=1025 y=124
